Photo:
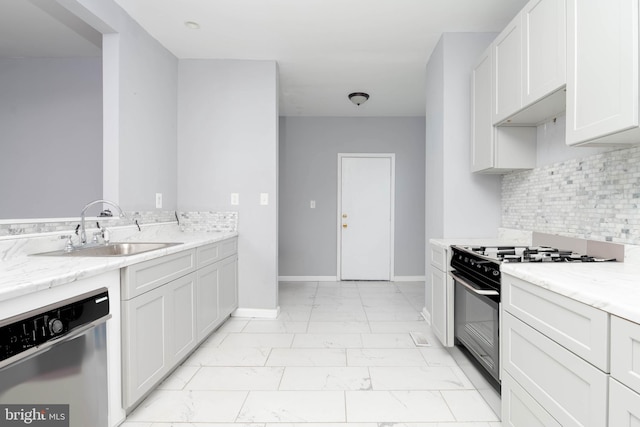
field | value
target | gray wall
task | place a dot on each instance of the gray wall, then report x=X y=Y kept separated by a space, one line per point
x=459 y=203
x=228 y=143
x=50 y=136
x=140 y=109
x=309 y=148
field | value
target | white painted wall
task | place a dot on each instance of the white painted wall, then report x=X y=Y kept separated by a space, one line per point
x=309 y=148
x=51 y=136
x=458 y=203
x=140 y=110
x=228 y=143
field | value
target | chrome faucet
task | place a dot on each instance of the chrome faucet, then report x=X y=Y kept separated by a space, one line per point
x=83 y=234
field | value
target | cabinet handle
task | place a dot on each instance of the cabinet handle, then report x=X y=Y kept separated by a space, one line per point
x=344 y=225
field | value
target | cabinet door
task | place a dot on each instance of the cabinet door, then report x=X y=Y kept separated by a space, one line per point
x=207 y=301
x=520 y=409
x=602 y=69
x=624 y=406
x=442 y=306
x=543 y=49
x=181 y=324
x=228 y=286
x=507 y=71
x=625 y=352
x=145 y=328
x=481 y=119
x=571 y=390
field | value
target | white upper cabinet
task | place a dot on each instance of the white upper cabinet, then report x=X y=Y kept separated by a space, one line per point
x=495 y=149
x=481 y=127
x=530 y=65
x=602 y=72
x=507 y=71
x=543 y=49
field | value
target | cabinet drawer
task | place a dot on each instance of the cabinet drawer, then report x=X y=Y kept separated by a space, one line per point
x=214 y=252
x=580 y=328
x=438 y=257
x=140 y=278
x=520 y=409
x=570 y=389
x=625 y=352
x=624 y=406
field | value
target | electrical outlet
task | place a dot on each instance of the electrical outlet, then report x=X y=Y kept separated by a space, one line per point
x=235 y=198
x=312 y=204
x=264 y=199
x=158 y=200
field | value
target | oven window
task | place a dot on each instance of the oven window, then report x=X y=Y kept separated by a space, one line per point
x=477 y=327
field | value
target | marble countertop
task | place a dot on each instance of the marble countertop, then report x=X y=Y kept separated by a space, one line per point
x=613 y=287
x=26 y=274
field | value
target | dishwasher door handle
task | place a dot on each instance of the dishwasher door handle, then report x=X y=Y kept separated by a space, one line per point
x=46 y=346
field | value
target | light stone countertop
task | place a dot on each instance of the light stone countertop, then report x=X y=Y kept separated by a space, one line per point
x=22 y=275
x=613 y=287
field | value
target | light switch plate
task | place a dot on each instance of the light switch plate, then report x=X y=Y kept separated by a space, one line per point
x=158 y=200
x=264 y=199
x=235 y=198
x=312 y=204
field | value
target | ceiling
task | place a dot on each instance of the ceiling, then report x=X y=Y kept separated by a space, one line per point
x=325 y=49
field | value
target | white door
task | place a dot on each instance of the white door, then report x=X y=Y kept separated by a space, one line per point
x=366 y=213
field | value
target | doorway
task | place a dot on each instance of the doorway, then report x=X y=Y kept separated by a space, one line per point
x=366 y=193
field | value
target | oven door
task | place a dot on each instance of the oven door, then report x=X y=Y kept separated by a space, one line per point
x=476 y=323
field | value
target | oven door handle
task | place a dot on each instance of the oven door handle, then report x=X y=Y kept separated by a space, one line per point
x=464 y=282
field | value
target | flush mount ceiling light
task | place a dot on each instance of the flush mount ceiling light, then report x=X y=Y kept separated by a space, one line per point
x=358 y=97
x=192 y=25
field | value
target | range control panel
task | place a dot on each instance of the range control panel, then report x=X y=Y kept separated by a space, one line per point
x=21 y=333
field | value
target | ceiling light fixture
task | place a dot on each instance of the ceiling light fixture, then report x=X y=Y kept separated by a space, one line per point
x=192 y=25
x=358 y=97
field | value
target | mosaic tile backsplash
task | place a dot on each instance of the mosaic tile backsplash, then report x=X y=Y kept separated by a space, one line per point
x=593 y=198
x=189 y=221
x=208 y=221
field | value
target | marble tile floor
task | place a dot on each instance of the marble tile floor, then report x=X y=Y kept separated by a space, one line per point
x=340 y=354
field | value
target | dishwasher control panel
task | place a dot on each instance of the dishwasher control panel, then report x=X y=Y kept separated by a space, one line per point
x=30 y=330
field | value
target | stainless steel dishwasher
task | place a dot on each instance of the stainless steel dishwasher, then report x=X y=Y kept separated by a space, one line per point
x=53 y=364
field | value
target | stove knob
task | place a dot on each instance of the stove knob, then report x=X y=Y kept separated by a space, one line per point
x=55 y=326
x=496 y=272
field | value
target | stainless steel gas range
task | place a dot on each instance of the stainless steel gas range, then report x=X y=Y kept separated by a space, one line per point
x=477 y=277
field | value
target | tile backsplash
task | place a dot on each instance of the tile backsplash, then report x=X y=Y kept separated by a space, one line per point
x=188 y=221
x=596 y=198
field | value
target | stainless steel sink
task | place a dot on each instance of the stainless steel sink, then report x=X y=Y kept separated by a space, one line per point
x=112 y=249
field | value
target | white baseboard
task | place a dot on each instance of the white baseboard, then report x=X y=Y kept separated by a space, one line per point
x=426 y=315
x=409 y=279
x=335 y=279
x=260 y=313
x=307 y=279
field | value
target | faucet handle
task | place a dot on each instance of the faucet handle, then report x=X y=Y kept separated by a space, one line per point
x=68 y=247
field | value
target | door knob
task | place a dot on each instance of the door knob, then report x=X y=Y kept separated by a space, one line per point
x=344 y=225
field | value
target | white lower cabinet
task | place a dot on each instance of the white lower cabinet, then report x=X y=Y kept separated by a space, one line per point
x=624 y=394
x=208 y=312
x=624 y=405
x=159 y=332
x=228 y=295
x=520 y=409
x=573 y=391
x=165 y=322
x=441 y=294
